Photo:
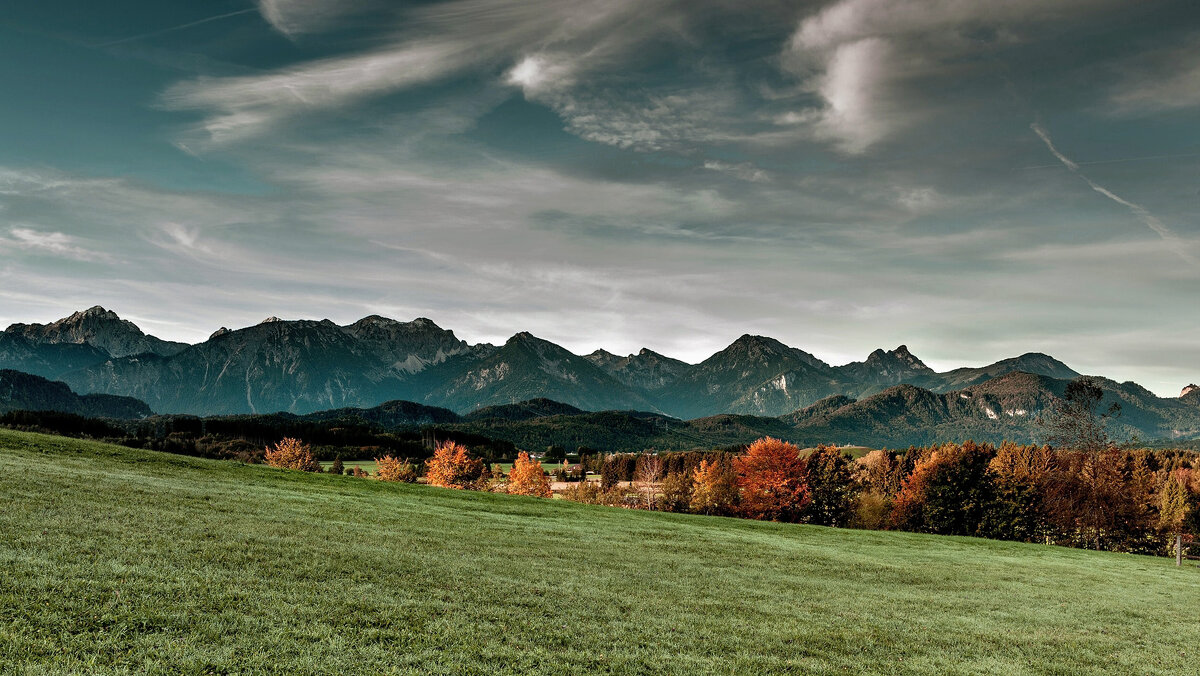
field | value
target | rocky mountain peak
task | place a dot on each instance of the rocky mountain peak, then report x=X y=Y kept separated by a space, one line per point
x=99 y=328
x=271 y=320
x=1189 y=389
x=95 y=311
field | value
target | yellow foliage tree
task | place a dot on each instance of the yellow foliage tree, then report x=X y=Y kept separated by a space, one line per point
x=292 y=453
x=389 y=468
x=452 y=467
x=713 y=488
x=528 y=478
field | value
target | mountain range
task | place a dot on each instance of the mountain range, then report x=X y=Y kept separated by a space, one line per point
x=305 y=366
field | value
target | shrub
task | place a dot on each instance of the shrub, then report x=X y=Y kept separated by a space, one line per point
x=528 y=478
x=292 y=453
x=337 y=467
x=452 y=467
x=871 y=511
x=585 y=491
x=389 y=468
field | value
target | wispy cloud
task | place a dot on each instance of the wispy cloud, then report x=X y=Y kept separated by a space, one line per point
x=1178 y=246
x=52 y=243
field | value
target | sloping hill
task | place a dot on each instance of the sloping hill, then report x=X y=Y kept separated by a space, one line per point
x=116 y=560
x=25 y=392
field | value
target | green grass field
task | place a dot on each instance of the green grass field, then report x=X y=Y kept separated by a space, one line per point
x=367 y=466
x=121 y=561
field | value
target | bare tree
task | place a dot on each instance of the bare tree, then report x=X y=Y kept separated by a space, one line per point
x=646 y=479
x=1079 y=420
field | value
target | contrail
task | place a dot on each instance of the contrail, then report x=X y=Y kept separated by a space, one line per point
x=177 y=28
x=1148 y=219
x=1119 y=160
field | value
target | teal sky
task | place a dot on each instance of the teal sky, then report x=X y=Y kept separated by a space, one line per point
x=975 y=180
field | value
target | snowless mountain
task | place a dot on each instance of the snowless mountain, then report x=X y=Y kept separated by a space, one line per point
x=301 y=366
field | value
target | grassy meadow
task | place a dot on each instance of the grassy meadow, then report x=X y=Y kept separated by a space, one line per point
x=120 y=561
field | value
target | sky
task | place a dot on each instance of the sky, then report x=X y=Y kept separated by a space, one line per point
x=974 y=180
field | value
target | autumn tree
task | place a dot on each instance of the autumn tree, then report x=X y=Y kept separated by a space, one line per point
x=1175 y=503
x=292 y=453
x=389 y=468
x=947 y=493
x=337 y=467
x=452 y=467
x=714 y=488
x=675 y=492
x=832 y=485
x=528 y=478
x=879 y=472
x=1018 y=475
x=1089 y=504
x=772 y=481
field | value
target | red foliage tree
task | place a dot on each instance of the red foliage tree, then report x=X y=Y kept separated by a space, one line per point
x=773 y=481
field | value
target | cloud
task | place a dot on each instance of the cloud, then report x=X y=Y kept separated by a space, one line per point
x=52 y=243
x=862 y=58
x=1178 y=246
x=1167 y=79
x=745 y=171
x=295 y=17
x=573 y=56
x=246 y=105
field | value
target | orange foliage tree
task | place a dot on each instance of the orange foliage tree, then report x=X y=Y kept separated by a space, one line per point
x=948 y=492
x=773 y=481
x=292 y=453
x=528 y=478
x=452 y=467
x=389 y=468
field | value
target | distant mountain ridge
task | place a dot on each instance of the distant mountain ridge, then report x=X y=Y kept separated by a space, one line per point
x=303 y=366
x=99 y=328
x=26 y=392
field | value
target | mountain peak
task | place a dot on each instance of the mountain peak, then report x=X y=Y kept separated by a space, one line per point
x=99 y=327
x=271 y=320
x=1189 y=389
x=219 y=332
x=96 y=311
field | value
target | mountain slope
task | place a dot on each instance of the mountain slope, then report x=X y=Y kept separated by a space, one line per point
x=647 y=370
x=754 y=375
x=25 y=392
x=409 y=347
x=296 y=366
x=526 y=368
x=1030 y=362
x=48 y=360
x=881 y=370
x=99 y=328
